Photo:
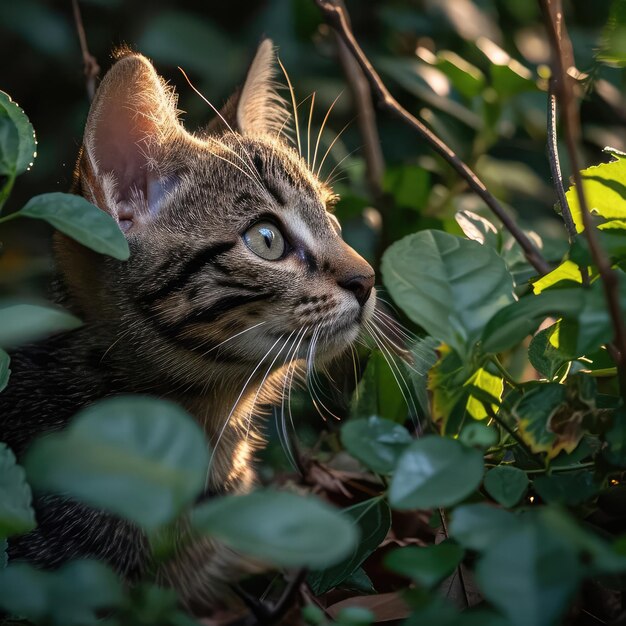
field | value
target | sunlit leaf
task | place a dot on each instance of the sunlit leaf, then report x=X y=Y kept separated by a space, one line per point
x=568 y=270
x=435 y=471
x=142 y=458
x=553 y=347
x=278 y=527
x=467 y=79
x=449 y=286
x=478 y=228
x=80 y=220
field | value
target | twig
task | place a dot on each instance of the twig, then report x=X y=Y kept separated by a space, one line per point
x=91 y=67
x=337 y=19
x=562 y=61
x=555 y=164
x=366 y=116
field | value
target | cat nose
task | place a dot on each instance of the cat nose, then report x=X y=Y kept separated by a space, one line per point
x=360 y=286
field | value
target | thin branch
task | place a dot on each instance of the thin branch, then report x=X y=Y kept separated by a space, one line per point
x=366 y=115
x=563 y=61
x=338 y=20
x=91 y=67
x=555 y=163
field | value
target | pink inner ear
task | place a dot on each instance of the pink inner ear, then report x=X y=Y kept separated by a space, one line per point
x=120 y=145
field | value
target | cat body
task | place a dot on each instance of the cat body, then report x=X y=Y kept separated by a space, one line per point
x=238 y=280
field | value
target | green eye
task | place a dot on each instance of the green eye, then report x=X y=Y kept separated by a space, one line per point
x=265 y=240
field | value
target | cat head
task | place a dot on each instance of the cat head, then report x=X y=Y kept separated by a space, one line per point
x=235 y=256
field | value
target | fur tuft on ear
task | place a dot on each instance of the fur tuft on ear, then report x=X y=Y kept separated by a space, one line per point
x=260 y=109
x=124 y=166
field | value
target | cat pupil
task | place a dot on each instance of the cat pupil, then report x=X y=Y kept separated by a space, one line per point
x=268 y=237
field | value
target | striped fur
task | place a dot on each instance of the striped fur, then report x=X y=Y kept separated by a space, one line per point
x=194 y=315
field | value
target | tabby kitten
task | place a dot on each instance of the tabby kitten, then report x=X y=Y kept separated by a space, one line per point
x=237 y=276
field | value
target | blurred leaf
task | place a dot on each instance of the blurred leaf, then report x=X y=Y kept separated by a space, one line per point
x=464 y=286
x=72 y=595
x=435 y=471
x=478 y=229
x=377 y=443
x=568 y=270
x=409 y=185
x=359 y=581
x=569 y=488
x=477 y=526
x=142 y=458
x=25 y=323
x=18 y=146
x=613 y=41
x=506 y=484
x=80 y=220
x=16 y=513
x=615 y=437
x=426 y=566
x=553 y=347
x=377 y=392
x=478 y=435
x=5 y=370
x=467 y=79
x=605 y=191
x=278 y=527
x=354 y=616
x=529 y=575
x=373 y=519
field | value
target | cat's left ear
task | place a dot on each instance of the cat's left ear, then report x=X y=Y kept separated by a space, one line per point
x=256 y=108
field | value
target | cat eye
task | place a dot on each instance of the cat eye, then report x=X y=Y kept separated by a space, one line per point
x=265 y=240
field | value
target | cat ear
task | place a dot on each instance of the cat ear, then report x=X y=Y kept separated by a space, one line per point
x=123 y=165
x=256 y=108
x=260 y=109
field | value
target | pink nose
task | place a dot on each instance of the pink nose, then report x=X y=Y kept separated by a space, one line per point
x=360 y=286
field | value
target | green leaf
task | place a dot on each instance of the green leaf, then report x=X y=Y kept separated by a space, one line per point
x=377 y=443
x=568 y=270
x=435 y=471
x=478 y=435
x=79 y=219
x=477 y=228
x=426 y=566
x=409 y=185
x=477 y=526
x=16 y=513
x=73 y=595
x=354 y=616
x=569 y=488
x=377 y=392
x=5 y=370
x=585 y=307
x=529 y=575
x=449 y=286
x=359 y=581
x=24 y=323
x=605 y=191
x=141 y=458
x=373 y=519
x=467 y=79
x=280 y=528
x=487 y=382
x=18 y=146
x=506 y=484
x=553 y=347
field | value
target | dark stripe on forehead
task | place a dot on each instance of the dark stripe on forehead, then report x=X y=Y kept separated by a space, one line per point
x=196 y=263
x=259 y=164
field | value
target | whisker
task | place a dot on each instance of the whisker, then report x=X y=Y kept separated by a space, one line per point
x=321 y=130
x=308 y=135
x=333 y=142
x=293 y=103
